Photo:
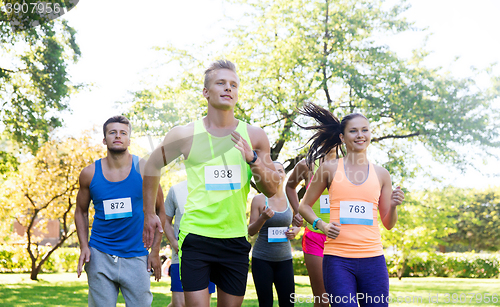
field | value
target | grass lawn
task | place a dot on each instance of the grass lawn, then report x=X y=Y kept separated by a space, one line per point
x=65 y=289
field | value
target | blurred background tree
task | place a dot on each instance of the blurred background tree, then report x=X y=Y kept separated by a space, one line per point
x=44 y=189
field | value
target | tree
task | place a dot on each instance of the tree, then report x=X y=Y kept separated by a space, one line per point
x=45 y=188
x=425 y=219
x=478 y=220
x=292 y=51
x=34 y=85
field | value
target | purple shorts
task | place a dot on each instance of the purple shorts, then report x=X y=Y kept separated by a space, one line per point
x=313 y=243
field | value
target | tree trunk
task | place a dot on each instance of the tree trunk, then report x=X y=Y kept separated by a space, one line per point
x=401 y=270
x=34 y=271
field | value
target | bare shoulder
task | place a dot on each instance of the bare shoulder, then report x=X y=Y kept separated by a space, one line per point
x=86 y=175
x=258 y=137
x=178 y=141
x=382 y=174
x=259 y=201
x=330 y=165
x=180 y=132
x=301 y=169
x=328 y=169
x=301 y=165
x=142 y=164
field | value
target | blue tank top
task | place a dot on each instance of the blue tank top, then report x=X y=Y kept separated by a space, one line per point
x=118 y=219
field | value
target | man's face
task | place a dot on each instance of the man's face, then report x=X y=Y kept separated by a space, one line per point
x=222 y=91
x=117 y=137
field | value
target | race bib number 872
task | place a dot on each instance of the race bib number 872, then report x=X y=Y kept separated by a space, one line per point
x=117 y=208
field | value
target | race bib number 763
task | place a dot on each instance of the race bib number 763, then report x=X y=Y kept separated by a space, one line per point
x=356 y=212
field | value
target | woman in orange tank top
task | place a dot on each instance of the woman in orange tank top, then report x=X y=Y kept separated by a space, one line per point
x=354 y=269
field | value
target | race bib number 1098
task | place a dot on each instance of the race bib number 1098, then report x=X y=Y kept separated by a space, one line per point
x=277 y=234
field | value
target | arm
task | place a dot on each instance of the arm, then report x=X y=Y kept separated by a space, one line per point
x=263 y=170
x=82 y=216
x=167 y=151
x=154 y=260
x=257 y=219
x=169 y=232
x=389 y=200
x=298 y=174
x=170 y=206
x=318 y=185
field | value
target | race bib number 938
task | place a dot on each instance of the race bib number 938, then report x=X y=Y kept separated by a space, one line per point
x=222 y=177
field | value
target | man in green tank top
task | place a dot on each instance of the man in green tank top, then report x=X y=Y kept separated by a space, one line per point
x=221 y=155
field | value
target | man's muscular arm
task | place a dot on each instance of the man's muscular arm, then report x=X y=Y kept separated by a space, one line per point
x=154 y=256
x=175 y=142
x=82 y=216
x=265 y=175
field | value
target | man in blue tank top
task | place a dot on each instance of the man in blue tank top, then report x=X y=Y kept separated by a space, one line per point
x=115 y=257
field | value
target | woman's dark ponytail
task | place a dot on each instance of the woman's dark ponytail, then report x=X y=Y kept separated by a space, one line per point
x=327 y=133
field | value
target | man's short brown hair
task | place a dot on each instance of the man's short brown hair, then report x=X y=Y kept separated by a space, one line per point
x=117 y=119
x=219 y=64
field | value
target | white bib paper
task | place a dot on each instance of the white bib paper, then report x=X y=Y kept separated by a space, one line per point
x=222 y=177
x=277 y=234
x=117 y=208
x=356 y=212
x=324 y=204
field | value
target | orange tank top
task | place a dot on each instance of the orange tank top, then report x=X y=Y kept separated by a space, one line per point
x=355 y=207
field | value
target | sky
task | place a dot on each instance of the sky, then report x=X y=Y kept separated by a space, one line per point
x=116 y=40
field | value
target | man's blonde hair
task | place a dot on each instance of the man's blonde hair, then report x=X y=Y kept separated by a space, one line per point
x=219 y=64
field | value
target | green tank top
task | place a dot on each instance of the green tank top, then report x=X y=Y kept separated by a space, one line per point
x=322 y=206
x=218 y=185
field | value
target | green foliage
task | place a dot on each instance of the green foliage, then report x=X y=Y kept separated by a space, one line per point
x=290 y=52
x=463 y=265
x=478 y=220
x=299 y=266
x=157 y=109
x=15 y=259
x=424 y=219
x=35 y=85
x=8 y=163
x=68 y=258
x=433 y=218
x=44 y=189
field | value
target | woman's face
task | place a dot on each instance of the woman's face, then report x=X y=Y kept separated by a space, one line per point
x=281 y=172
x=357 y=134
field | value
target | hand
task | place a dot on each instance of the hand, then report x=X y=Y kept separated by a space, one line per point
x=267 y=214
x=151 y=222
x=397 y=197
x=292 y=232
x=242 y=145
x=154 y=261
x=297 y=220
x=84 y=258
x=331 y=230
